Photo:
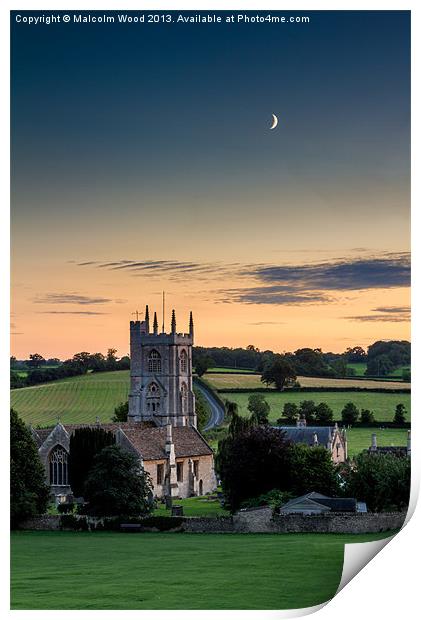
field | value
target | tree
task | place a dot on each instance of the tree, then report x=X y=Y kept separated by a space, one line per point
x=118 y=485
x=28 y=492
x=290 y=412
x=121 y=412
x=355 y=354
x=231 y=408
x=323 y=414
x=81 y=359
x=202 y=363
x=383 y=481
x=202 y=409
x=36 y=360
x=307 y=410
x=279 y=372
x=349 y=414
x=400 y=414
x=259 y=408
x=111 y=360
x=97 y=362
x=250 y=462
x=367 y=416
x=311 y=469
x=340 y=367
x=13 y=361
x=85 y=444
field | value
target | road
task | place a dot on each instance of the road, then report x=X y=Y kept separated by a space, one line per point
x=217 y=411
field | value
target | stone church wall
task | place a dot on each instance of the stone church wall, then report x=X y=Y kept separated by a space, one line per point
x=261 y=521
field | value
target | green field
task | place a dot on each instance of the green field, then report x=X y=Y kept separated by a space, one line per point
x=360 y=438
x=360 y=368
x=73 y=400
x=81 y=399
x=383 y=405
x=68 y=570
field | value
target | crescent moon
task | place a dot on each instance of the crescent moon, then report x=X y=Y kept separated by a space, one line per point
x=274 y=121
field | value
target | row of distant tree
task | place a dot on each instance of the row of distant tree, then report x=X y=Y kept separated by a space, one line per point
x=312 y=413
x=37 y=369
x=381 y=358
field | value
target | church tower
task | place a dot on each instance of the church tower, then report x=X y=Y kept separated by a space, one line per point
x=161 y=383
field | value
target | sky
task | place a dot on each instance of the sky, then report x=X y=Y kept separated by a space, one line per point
x=143 y=160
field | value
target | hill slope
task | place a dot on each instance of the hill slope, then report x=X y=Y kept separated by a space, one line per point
x=73 y=400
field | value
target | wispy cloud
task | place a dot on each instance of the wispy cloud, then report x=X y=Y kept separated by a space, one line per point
x=267 y=323
x=273 y=295
x=358 y=274
x=296 y=284
x=81 y=312
x=386 y=314
x=394 y=309
x=72 y=298
x=379 y=318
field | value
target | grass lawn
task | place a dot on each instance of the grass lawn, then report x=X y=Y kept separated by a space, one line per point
x=383 y=405
x=68 y=570
x=195 y=507
x=241 y=371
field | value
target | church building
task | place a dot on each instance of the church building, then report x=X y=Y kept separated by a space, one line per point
x=161 y=429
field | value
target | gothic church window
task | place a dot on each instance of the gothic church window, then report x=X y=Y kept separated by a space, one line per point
x=183 y=396
x=58 y=467
x=183 y=361
x=154 y=361
x=153 y=396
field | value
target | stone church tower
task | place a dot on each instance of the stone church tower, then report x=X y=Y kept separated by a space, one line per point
x=161 y=388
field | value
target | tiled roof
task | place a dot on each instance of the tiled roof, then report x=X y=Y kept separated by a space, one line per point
x=335 y=504
x=305 y=434
x=150 y=442
x=147 y=439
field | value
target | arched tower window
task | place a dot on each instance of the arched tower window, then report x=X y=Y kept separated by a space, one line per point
x=183 y=396
x=183 y=361
x=153 y=398
x=58 y=467
x=154 y=361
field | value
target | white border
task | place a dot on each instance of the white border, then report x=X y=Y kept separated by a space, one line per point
x=388 y=586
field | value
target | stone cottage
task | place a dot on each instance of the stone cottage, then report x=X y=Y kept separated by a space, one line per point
x=332 y=438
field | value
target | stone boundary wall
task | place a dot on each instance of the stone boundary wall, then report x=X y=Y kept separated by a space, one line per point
x=259 y=521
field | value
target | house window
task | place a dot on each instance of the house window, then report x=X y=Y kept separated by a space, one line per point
x=58 y=467
x=159 y=473
x=180 y=471
x=183 y=361
x=196 y=468
x=154 y=361
x=337 y=450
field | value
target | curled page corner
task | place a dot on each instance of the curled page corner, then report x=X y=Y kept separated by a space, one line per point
x=358 y=555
